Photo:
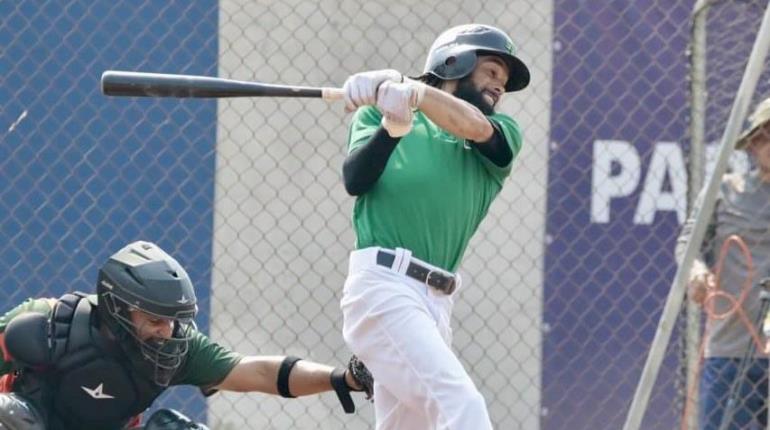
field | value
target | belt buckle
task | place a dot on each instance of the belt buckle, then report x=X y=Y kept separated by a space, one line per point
x=445 y=284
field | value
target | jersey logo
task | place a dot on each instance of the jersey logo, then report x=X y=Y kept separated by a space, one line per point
x=98 y=392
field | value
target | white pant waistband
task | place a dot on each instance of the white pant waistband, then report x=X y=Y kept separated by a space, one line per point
x=405 y=264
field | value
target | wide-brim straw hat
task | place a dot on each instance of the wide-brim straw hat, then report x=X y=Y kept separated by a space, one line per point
x=758 y=118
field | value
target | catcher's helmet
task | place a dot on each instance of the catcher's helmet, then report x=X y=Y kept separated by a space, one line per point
x=454 y=53
x=143 y=277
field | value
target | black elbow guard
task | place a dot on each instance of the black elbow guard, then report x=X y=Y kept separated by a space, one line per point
x=283 y=376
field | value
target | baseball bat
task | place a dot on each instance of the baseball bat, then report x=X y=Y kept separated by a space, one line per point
x=141 y=84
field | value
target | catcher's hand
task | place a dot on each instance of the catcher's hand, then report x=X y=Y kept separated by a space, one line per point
x=361 y=377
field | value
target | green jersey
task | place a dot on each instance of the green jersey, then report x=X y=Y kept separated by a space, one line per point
x=434 y=191
x=206 y=364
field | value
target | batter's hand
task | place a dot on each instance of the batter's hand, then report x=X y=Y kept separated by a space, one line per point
x=394 y=100
x=397 y=100
x=361 y=88
x=700 y=285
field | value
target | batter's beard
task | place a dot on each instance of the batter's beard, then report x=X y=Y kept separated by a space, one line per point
x=467 y=91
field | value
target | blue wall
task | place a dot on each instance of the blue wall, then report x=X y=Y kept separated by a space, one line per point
x=82 y=174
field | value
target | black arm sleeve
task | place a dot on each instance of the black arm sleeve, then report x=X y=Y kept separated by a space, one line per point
x=496 y=149
x=363 y=167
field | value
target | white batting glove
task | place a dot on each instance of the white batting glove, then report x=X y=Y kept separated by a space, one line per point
x=361 y=88
x=397 y=100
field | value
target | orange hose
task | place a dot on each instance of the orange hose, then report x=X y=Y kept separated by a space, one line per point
x=736 y=307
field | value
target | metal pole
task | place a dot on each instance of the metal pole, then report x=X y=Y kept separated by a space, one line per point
x=702 y=214
x=696 y=171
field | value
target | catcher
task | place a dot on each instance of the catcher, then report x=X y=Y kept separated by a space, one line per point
x=97 y=361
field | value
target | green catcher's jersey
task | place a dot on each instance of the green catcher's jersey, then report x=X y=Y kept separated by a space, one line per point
x=207 y=363
x=434 y=191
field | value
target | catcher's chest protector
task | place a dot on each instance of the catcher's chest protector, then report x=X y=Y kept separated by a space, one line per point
x=89 y=386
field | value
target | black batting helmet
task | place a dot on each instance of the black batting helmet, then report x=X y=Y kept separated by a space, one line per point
x=143 y=277
x=455 y=52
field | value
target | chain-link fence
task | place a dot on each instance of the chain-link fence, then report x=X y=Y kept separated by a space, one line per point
x=565 y=278
x=247 y=193
x=282 y=218
x=732 y=345
x=617 y=195
x=82 y=175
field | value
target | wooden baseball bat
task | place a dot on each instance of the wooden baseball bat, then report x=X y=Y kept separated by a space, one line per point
x=141 y=84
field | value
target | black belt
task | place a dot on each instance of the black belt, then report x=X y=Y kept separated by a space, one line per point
x=444 y=282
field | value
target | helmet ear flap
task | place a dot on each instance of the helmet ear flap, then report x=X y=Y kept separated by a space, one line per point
x=456 y=65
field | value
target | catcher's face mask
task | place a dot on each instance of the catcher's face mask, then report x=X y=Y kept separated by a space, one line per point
x=163 y=341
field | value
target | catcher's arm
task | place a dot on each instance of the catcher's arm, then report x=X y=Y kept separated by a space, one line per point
x=291 y=377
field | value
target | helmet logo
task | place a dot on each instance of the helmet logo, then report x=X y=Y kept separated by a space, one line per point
x=509 y=47
x=98 y=392
x=184 y=300
x=476 y=29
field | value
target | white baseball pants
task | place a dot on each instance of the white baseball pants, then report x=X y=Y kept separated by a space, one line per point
x=400 y=328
